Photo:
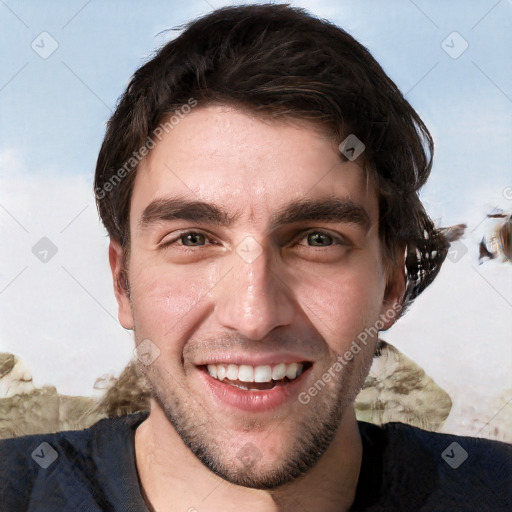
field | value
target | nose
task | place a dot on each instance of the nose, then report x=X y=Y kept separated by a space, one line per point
x=253 y=299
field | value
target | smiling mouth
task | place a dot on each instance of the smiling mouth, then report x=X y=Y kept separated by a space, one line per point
x=256 y=378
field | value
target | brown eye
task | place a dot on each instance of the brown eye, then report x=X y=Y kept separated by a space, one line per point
x=193 y=239
x=319 y=239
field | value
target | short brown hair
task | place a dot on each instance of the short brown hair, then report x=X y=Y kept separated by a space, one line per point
x=281 y=61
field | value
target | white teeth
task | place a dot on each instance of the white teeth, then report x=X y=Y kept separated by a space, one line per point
x=212 y=370
x=232 y=373
x=247 y=373
x=262 y=374
x=291 y=371
x=221 y=372
x=279 y=371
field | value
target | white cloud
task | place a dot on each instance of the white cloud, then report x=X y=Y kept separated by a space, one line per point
x=66 y=336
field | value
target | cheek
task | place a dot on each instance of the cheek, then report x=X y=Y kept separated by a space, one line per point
x=168 y=303
x=342 y=304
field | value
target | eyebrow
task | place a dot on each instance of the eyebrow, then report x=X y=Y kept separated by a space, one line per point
x=179 y=208
x=329 y=210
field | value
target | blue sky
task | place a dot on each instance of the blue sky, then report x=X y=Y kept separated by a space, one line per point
x=53 y=110
x=60 y=316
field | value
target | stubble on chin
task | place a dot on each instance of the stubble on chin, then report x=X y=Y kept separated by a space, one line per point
x=212 y=441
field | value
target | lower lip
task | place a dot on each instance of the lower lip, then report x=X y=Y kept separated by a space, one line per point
x=256 y=400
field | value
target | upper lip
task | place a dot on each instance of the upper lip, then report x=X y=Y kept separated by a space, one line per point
x=254 y=359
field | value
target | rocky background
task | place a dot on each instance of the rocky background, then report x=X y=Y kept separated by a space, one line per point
x=397 y=389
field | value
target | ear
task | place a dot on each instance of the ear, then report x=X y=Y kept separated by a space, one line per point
x=116 y=259
x=394 y=293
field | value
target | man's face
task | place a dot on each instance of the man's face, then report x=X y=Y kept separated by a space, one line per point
x=253 y=245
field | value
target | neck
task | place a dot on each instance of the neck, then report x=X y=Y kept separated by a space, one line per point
x=174 y=479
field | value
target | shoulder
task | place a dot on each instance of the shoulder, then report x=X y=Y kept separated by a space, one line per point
x=469 y=459
x=60 y=464
x=443 y=470
x=448 y=446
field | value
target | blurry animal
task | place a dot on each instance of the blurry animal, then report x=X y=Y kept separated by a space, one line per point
x=499 y=234
x=484 y=252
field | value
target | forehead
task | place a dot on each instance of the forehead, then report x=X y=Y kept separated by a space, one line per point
x=249 y=165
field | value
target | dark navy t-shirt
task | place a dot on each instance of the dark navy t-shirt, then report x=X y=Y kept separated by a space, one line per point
x=404 y=469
